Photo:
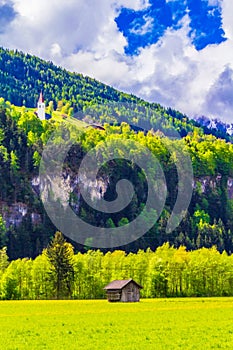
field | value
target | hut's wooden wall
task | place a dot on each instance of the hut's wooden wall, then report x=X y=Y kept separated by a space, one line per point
x=114 y=295
x=130 y=293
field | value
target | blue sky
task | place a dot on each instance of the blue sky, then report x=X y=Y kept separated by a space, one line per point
x=177 y=53
x=145 y=27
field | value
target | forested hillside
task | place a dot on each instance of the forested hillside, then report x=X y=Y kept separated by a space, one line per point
x=208 y=222
x=22 y=77
x=25 y=227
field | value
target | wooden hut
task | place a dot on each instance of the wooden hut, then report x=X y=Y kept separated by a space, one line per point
x=123 y=290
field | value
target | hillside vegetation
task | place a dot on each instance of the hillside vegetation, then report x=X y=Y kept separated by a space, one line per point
x=73 y=101
x=208 y=222
x=22 y=77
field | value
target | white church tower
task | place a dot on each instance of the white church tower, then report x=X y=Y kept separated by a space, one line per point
x=41 y=107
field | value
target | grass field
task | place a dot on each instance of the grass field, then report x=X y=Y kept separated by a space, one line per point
x=58 y=116
x=151 y=324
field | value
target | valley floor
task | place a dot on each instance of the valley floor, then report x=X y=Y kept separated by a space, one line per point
x=198 y=323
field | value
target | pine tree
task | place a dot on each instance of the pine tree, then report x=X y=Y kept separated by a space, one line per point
x=60 y=255
x=3 y=231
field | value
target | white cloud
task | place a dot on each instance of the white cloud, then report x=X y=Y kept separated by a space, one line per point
x=4 y=2
x=134 y=4
x=56 y=51
x=145 y=28
x=219 y=99
x=227 y=10
x=83 y=36
x=72 y=24
x=214 y=2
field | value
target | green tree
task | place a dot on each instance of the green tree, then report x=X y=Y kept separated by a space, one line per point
x=2 y=232
x=3 y=259
x=14 y=162
x=60 y=255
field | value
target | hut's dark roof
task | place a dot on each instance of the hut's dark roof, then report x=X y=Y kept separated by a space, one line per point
x=120 y=284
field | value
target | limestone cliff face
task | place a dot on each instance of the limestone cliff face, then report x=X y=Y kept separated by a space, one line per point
x=14 y=214
x=213 y=182
x=67 y=190
x=207 y=182
x=230 y=187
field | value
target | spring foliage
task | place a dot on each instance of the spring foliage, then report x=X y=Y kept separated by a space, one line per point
x=209 y=219
x=167 y=272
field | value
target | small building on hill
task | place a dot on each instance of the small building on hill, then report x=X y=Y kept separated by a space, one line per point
x=41 y=107
x=123 y=291
x=96 y=126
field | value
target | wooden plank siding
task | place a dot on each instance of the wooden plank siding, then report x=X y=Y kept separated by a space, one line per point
x=123 y=291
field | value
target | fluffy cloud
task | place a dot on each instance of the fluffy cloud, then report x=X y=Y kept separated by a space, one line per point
x=219 y=98
x=83 y=36
x=73 y=25
x=7 y=14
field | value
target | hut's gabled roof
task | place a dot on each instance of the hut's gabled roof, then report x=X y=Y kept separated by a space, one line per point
x=120 y=284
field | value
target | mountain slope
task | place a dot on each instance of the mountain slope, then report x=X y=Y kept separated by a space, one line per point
x=22 y=77
x=209 y=219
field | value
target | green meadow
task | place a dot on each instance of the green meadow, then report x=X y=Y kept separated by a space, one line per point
x=151 y=324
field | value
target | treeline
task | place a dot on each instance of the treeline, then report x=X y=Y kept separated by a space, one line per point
x=167 y=272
